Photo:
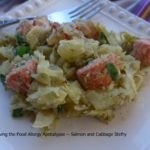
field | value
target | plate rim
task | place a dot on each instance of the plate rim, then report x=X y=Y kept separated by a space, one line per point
x=111 y=10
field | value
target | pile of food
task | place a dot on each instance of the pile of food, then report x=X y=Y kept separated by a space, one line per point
x=71 y=69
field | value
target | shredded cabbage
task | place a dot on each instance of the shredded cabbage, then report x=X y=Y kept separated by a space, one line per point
x=6 y=53
x=44 y=120
x=47 y=97
x=77 y=49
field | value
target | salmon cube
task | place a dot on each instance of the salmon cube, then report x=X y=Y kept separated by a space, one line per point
x=27 y=25
x=42 y=22
x=88 y=28
x=95 y=75
x=18 y=79
x=141 y=51
x=24 y=27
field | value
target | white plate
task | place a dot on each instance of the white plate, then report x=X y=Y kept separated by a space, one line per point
x=135 y=121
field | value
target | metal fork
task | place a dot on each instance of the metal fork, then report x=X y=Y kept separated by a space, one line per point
x=84 y=11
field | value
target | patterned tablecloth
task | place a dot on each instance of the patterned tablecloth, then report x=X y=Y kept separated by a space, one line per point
x=142 y=9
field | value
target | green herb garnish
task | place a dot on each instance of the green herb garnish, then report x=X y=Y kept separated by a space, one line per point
x=17 y=113
x=22 y=47
x=112 y=70
x=21 y=50
x=19 y=39
x=2 y=78
x=60 y=109
x=103 y=38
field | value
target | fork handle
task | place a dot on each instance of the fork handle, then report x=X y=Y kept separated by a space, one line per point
x=7 y=22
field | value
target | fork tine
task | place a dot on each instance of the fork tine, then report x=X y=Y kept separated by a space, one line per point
x=84 y=9
x=93 y=14
x=90 y=11
x=90 y=15
x=82 y=6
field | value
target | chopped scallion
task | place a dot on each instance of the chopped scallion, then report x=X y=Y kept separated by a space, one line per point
x=112 y=70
